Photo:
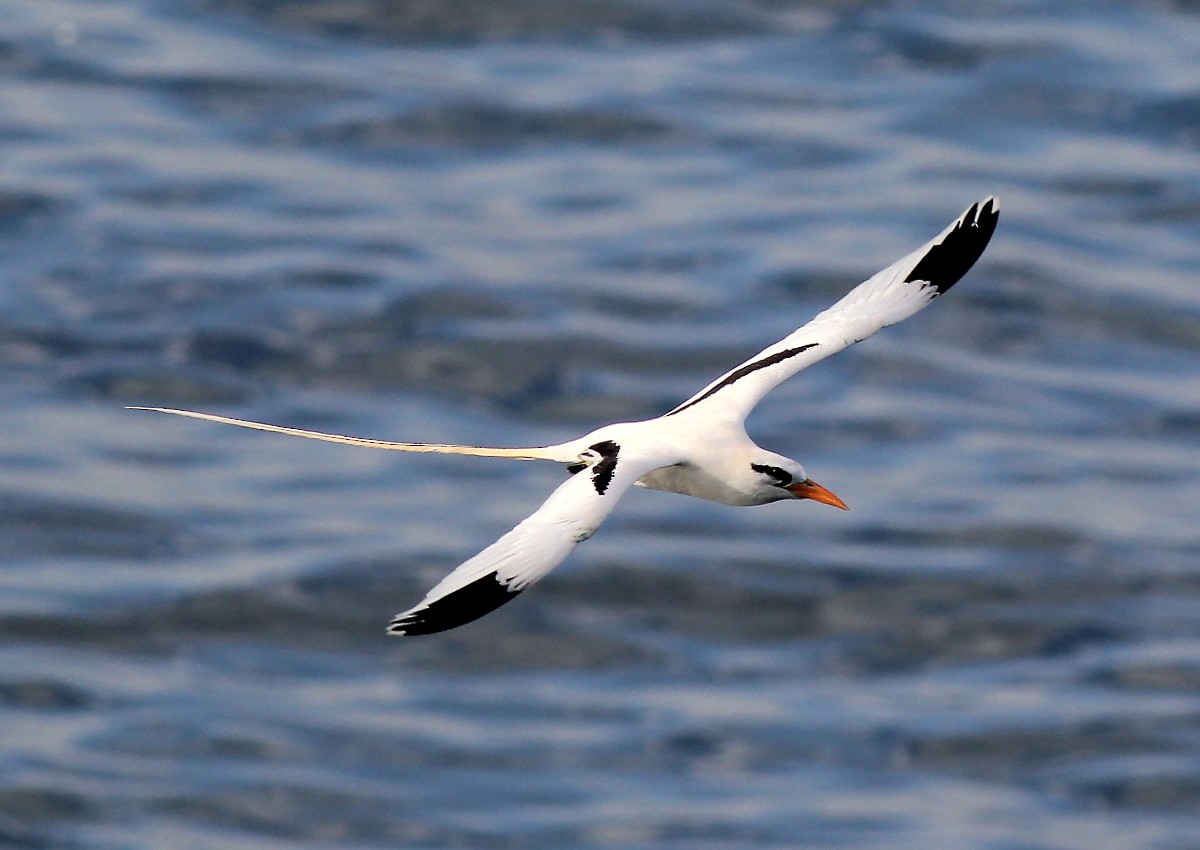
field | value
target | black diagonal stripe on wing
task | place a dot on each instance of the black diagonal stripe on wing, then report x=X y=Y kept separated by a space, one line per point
x=738 y=374
x=946 y=263
x=468 y=603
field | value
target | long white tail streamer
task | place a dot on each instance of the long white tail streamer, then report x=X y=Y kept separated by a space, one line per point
x=546 y=453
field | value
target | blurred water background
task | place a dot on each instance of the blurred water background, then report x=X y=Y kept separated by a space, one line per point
x=508 y=222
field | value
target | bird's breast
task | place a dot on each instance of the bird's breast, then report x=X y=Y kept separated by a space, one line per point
x=692 y=480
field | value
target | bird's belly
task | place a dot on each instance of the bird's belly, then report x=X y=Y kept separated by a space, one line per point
x=691 y=480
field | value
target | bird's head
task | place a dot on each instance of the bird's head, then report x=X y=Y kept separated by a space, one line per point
x=776 y=478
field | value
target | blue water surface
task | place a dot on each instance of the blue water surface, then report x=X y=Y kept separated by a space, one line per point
x=509 y=222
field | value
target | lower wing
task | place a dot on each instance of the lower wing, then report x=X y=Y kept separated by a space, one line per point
x=536 y=546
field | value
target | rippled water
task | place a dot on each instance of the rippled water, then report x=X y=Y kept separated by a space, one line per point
x=509 y=222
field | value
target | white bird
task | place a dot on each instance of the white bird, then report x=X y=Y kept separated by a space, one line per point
x=700 y=448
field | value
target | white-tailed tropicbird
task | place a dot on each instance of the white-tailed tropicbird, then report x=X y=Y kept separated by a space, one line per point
x=698 y=449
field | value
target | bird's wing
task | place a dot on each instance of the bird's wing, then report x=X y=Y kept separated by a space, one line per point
x=556 y=453
x=888 y=297
x=536 y=546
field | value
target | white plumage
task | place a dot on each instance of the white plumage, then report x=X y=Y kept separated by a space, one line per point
x=700 y=448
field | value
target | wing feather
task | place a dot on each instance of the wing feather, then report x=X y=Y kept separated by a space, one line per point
x=888 y=297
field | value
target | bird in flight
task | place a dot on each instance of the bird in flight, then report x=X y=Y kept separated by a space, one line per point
x=700 y=448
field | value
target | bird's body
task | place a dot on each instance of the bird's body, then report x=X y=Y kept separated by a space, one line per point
x=712 y=458
x=700 y=448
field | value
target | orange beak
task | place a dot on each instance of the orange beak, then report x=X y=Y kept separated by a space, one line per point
x=809 y=489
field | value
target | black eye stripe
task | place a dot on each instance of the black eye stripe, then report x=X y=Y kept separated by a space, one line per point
x=782 y=478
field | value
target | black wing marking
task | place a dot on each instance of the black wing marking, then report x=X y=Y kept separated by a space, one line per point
x=606 y=467
x=737 y=374
x=945 y=263
x=468 y=603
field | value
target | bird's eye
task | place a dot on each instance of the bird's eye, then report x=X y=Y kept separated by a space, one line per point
x=781 y=478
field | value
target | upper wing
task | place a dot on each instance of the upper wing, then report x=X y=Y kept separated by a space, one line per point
x=536 y=546
x=888 y=297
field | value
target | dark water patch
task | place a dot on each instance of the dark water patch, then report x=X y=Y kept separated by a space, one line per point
x=460 y=22
x=20 y=208
x=47 y=528
x=175 y=735
x=928 y=51
x=1042 y=539
x=336 y=278
x=240 y=352
x=1182 y=6
x=789 y=154
x=1172 y=211
x=658 y=602
x=577 y=202
x=510 y=374
x=21 y=841
x=886 y=623
x=246 y=99
x=344 y=610
x=16 y=57
x=42 y=804
x=1165 y=791
x=1172 y=120
x=414 y=344
x=425 y=343
x=492 y=127
x=304 y=814
x=964 y=620
x=646 y=309
x=446 y=310
x=809 y=285
x=1110 y=321
x=42 y=695
x=1108 y=186
x=280 y=613
x=967 y=619
x=1150 y=676
x=28 y=346
x=919 y=637
x=1001 y=754
x=212 y=240
x=28 y=840
x=1043 y=110
x=417 y=744
x=1036 y=316
x=691 y=261
x=40 y=817
x=295 y=813
x=163 y=194
x=185 y=385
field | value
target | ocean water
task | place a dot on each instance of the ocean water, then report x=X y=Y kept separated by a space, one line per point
x=509 y=222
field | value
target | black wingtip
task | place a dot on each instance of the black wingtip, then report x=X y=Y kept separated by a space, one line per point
x=946 y=262
x=480 y=597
